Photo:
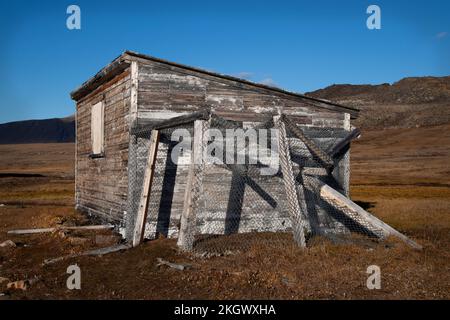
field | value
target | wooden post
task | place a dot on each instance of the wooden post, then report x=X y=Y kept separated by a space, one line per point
x=141 y=217
x=341 y=157
x=294 y=207
x=347 y=206
x=134 y=91
x=193 y=187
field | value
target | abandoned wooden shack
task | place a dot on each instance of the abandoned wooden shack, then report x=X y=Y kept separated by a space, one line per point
x=125 y=116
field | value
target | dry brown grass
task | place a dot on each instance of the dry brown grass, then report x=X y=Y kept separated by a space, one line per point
x=51 y=159
x=401 y=176
x=402 y=157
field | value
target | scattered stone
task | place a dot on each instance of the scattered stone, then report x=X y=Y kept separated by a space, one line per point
x=2 y=205
x=22 y=284
x=2 y=279
x=7 y=243
x=18 y=285
x=62 y=234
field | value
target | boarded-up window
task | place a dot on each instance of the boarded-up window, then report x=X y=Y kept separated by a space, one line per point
x=97 y=127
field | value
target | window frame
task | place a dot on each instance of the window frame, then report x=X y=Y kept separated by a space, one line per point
x=97 y=130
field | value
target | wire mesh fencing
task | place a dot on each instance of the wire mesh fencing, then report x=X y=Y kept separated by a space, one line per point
x=247 y=190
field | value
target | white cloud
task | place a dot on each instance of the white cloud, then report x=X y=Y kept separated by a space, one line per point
x=244 y=75
x=441 y=35
x=269 y=82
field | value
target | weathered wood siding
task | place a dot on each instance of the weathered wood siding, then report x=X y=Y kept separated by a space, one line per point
x=167 y=91
x=102 y=183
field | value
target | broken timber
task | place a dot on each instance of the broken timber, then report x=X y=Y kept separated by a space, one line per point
x=48 y=230
x=139 y=226
x=344 y=204
x=343 y=143
x=94 y=252
x=294 y=199
x=177 y=266
x=315 y=150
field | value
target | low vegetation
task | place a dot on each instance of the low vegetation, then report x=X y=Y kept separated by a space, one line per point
x=399 y=175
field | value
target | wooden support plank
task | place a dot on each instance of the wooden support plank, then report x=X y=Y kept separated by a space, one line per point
x=47 y=230
x=183 y=242
x=193 y=187
x=264 y=122
x=314 y=171
x=341 y=202
x=344 y=162
x=170 y=123
x=316 y=151
x=295 y=203
x=341 y=145
x=94 y=252
x=141 y=217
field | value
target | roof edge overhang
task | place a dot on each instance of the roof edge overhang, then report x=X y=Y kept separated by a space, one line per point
x=116 y=67
x=122 y=62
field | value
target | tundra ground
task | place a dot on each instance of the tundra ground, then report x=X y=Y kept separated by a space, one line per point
x=400 y=175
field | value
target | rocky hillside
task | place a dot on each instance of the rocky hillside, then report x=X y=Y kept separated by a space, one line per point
x=410 y=102
x=38 y=131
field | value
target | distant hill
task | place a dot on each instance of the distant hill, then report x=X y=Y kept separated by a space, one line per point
x=410 y=102
x=38 y=131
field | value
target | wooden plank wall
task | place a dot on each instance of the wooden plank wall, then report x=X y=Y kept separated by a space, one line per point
x=164 y=90
x=102 y=183
x=167 y=91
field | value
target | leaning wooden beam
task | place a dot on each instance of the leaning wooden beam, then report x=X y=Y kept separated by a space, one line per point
x=216 y=120
x=47 y=230
x=298 y=217
x=94 y=252
x=351 y=209
x=141 y=216
x=316 y=151
x=194 y=187
x=172 y=122
x=344 y=142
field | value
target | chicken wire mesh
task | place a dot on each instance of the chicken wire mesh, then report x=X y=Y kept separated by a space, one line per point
x=168 y=185
x=243 y=206
x=234 y=206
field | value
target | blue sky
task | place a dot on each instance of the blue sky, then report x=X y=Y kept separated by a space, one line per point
x=297 y=45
